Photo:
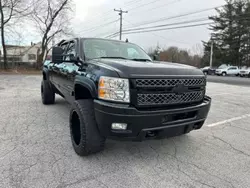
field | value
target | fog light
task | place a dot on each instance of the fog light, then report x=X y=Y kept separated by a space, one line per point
x=119 y=126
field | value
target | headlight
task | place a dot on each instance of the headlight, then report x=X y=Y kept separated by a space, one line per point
x=113 y=89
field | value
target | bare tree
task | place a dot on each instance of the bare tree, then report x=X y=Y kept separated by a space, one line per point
x=197 y=49
x=9 y=11
x=175 y=54
x=51 y=19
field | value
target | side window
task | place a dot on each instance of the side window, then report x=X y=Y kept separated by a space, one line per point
x=64 y=46
x=70 y=50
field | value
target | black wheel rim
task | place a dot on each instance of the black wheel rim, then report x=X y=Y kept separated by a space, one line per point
x=75 y=128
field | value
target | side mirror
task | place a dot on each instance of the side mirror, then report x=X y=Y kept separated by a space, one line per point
x=57 y=55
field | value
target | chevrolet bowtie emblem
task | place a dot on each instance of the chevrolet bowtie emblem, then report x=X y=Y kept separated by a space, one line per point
x=179 y=89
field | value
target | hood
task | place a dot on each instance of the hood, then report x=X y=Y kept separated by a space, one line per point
x=137 y=69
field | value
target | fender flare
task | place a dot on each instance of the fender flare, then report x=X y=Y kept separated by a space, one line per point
x=87 y=83
x=45 y=73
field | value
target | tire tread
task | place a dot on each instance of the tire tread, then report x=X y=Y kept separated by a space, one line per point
x=91 y=140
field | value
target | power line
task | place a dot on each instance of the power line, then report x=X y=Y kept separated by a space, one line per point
x=106 y=33
x=112 y=35
x=157 y=35
x=96 y=27
x=179 y=16
x=143 y=5
x=171 y=28
x=140 y=30
x=109 y=11
x=133 y=1
x=170 y=24
x=170 y=3
x=161 y=19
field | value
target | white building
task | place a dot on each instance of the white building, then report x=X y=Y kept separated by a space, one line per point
x=27 y=54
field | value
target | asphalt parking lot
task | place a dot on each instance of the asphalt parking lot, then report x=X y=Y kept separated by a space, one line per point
x=36 y=151
x=232 y=80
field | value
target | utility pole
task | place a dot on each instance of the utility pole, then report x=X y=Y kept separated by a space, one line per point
x=211 y=53
x=120 y=14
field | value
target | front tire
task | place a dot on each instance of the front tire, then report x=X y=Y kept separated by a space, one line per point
x=85 y=136
x=47 y=93
x=224 y=74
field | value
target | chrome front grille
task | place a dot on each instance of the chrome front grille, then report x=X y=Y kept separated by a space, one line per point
x=189 y=82
x=169 y=98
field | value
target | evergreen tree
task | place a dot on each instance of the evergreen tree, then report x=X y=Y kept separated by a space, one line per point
x=230 y=33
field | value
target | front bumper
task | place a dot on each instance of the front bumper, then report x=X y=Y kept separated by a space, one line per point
x=149 y=123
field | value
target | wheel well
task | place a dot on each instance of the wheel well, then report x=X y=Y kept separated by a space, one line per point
x=82 y=92
x=44 y=76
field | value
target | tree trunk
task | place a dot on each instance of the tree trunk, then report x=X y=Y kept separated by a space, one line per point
x=3 y=38
x=40 y=59
x=5 y=64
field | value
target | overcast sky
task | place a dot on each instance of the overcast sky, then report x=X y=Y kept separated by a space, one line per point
x=93 y=13
x=89 y=15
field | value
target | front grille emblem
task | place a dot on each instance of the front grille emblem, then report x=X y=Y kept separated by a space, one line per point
x=179 y=89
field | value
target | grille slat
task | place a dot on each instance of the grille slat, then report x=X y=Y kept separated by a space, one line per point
x=146 y=83
x=169 y=98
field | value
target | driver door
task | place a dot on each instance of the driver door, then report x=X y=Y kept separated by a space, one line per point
x=232 y=70
x=70 y=70
x=56 y=71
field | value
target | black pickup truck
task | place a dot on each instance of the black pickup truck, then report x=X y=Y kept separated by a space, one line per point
x=117 y=91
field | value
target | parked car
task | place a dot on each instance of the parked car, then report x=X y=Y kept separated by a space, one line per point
x=231 y=70
x=245 y=72
x=117 y=91
x=208 y=70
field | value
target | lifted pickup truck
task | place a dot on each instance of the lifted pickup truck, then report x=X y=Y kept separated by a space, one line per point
x=117 y=91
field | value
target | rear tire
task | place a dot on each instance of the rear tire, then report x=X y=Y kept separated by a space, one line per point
x=47 y=93
x=85 y=136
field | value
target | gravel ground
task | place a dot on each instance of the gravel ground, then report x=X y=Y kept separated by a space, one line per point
x=36 y=151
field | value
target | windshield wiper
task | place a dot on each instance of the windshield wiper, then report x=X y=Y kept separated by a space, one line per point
x=140 y=59
x=111 y=58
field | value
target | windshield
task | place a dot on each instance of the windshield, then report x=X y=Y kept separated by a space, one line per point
x=98 y=48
